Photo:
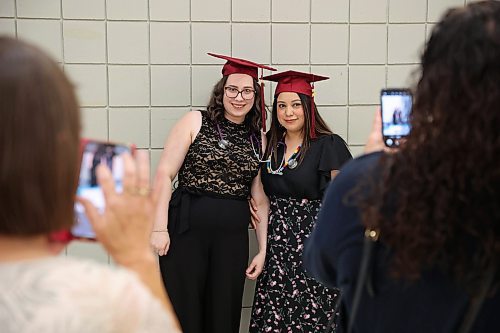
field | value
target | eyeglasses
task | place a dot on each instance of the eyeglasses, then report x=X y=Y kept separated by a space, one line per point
x=246 y=93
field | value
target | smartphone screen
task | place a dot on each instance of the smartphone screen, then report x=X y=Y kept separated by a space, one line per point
x=93 y=154
x=396 y=105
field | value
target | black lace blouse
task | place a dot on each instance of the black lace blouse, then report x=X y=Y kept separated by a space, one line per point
x=209 y=169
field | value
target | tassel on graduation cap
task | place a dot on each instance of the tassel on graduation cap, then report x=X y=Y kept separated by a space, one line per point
x=300 y=83
x=312 y=130
x=262 y=101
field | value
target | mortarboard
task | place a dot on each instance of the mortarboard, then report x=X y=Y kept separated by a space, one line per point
x=297 y=82
x=242 y=66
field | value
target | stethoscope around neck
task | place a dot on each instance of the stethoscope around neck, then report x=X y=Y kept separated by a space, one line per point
x=292 y=162
x=254 y=142
x=222 y=143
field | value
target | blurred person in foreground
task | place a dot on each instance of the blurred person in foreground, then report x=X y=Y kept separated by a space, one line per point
x=431 y=208
x=41 y=291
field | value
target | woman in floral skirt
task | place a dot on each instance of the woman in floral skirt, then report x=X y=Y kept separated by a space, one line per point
x=301 y=158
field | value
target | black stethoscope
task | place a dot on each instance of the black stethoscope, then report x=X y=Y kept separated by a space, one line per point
x=292 y=162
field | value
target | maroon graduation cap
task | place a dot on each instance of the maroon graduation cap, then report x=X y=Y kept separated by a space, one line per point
x=242 y=66
x=298 y=82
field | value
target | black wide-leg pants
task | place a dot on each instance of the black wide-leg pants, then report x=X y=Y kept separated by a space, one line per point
x=204 y=269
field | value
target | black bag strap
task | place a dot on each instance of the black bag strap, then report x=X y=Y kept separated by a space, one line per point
x=476 y=303
x=371 y=237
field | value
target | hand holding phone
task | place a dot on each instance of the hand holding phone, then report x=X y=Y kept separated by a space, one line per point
x=395 y=108
x=124 y=226
x=95 y=153
x=375 y=141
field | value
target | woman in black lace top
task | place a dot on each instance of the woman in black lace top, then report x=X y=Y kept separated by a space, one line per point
x=202 y=234
x=303 y=155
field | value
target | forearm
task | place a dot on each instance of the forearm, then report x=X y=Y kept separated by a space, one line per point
x=161 y=218
x=262 y=206
x=261 y=229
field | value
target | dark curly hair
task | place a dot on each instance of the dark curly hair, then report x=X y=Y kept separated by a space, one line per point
x=276 y=131
x=215 y=107
x=437 y=205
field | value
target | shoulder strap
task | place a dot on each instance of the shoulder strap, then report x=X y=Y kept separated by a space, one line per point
x=371 y=237
x=476 y=302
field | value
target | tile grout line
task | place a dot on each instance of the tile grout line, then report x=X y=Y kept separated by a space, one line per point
x=310 y=36
x=386 y=79
x=270 y=22
x=426 y=21
x=190 y=57
x=15 y=19
x=61 y=24
x=107 y=80
x=231 y=28
x=348 y=69
x=150 y=111
x=106 y=57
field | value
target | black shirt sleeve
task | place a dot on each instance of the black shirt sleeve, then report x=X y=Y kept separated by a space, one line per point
x=334 y=154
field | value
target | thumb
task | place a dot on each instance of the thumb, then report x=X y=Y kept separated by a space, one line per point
x=250 y=268
x=93 y=215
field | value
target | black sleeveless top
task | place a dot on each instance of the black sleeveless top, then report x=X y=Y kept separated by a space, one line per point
x=209 y=169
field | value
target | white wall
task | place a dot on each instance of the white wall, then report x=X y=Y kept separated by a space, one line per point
x=139 y=65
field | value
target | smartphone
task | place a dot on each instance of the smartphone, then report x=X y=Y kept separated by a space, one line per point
x=94 y=153
x=395 y=106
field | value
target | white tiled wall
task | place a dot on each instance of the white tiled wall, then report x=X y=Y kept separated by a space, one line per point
x=84 y=41
x=139 y=65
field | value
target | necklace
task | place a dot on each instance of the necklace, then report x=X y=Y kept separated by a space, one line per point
x=291 y=163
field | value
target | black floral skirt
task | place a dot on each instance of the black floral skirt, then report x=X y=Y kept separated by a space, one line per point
x=286 y=299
